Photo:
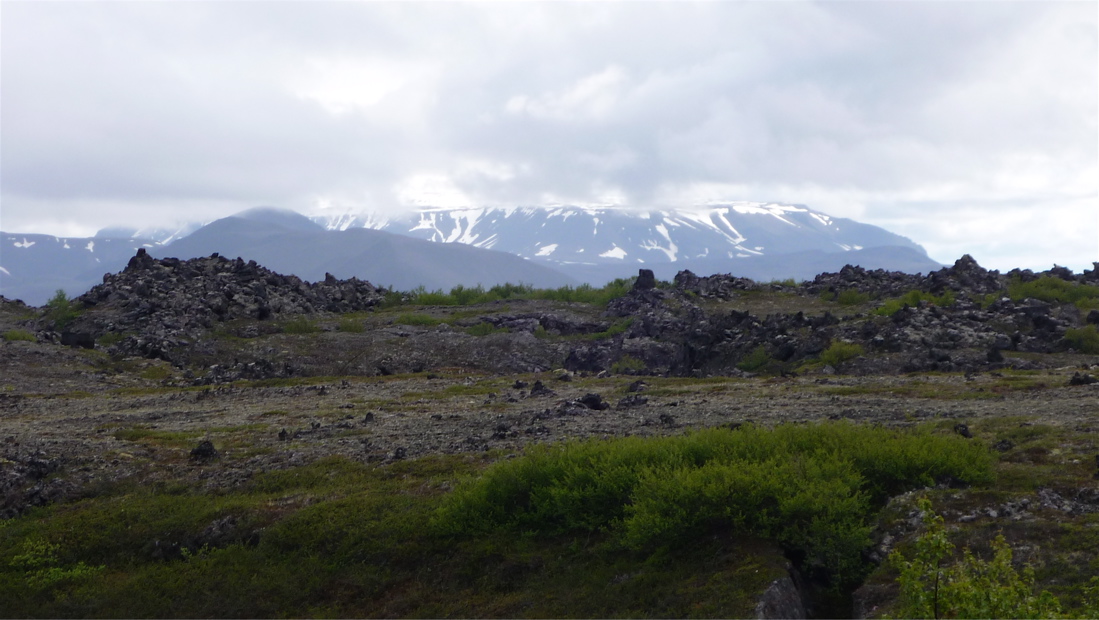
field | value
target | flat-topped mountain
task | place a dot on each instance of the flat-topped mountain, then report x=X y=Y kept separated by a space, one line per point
x=759 y=240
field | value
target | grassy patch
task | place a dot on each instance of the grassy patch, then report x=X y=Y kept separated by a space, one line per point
x=14 y=335
x=912 y=299
x=618 y=327
x=351 y=325
x=300 y=325
x=156 y=372
x=144 y=434
x=419 y=320
x=851 y=297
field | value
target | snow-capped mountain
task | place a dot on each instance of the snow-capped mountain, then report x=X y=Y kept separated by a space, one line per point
x=583 y=240
x=561 y=245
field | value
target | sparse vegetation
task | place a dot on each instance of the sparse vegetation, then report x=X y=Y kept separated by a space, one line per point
x=1083 y=339
x=618 y=327
x=757 y=360
x=485 y=328
x=852 y=297
x=1055 y=290
x=627 y=364
x=351 y=325
x=300 y=325
x=110 y=339
x=467 y=296
x=913 y=299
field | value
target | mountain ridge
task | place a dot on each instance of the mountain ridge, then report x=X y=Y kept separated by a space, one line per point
x=439 y=248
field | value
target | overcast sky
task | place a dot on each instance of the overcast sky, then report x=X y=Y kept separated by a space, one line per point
x=970 y=127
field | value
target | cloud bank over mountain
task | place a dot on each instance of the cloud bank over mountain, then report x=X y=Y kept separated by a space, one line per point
x=957 y=125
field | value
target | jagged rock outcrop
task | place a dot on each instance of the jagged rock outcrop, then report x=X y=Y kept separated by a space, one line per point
x=161 y=305
x=166 y=309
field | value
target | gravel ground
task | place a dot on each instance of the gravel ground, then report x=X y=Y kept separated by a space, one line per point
x=59 y=406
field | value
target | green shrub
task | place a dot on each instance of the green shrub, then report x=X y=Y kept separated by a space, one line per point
x=839 y=352
x=851 y=297
x=111 y=338
x=300 y=325
x=627 y=364
x=971 y=587
x=811 y=488
x=757 y=359
x=13 y=335
x=1083 y=339
x=913 y=298
x=61 y=310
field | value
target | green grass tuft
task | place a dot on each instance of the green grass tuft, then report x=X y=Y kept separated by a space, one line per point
x=300 y=325
x=15 y=335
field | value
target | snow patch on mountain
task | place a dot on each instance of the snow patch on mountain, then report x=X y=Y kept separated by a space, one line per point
x=606 y=235
x=615 y=252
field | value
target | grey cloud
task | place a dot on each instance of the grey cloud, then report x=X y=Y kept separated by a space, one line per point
x=868 y=107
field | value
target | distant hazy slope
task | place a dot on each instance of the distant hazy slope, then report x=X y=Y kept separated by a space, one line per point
x=289 y=243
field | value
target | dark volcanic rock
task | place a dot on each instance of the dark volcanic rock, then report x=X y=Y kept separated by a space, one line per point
x=1080 y=378
x=204 y=451
x=165 y=304
x=594 y=401
x=645 y=280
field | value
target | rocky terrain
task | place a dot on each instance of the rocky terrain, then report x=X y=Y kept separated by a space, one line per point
x=212 y=372
x=694 y=326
